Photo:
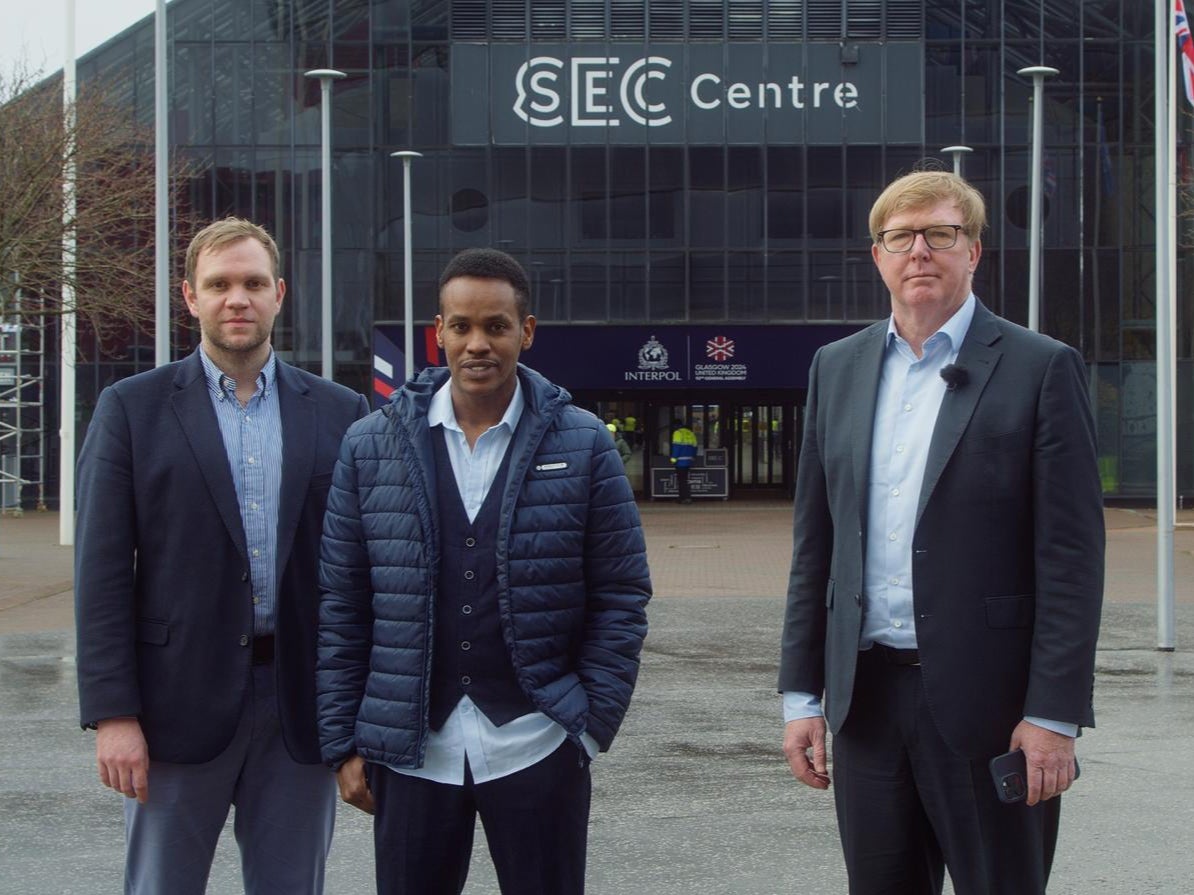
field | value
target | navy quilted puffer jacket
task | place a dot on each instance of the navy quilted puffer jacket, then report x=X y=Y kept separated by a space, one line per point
x=572 y=575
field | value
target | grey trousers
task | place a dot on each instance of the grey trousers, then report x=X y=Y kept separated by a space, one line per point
x=284 y=812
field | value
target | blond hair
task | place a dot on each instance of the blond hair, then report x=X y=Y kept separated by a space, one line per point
x=219 y=234
x=924 y=189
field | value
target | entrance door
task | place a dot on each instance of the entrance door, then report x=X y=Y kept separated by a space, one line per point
x=761 y=440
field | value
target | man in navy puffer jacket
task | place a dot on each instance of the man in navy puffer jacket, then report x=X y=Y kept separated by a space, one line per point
x=484 y=590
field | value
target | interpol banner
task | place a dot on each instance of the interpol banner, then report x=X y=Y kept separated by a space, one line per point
x=713 y=94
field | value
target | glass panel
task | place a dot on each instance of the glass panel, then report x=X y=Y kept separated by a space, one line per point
x=666 y=201
x=706 y=286
x=587 y=282
x=745 y=196
x=666 y=297
x=548 y=202
x=786 y=290
x=232 y=93
x=510 y=200
x=628 y=191
x=746 y=286
x=826 y=296
x=628 y=286
x=785 y=194
x=706 y=196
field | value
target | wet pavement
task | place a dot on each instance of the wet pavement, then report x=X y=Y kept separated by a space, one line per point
x=695 y=797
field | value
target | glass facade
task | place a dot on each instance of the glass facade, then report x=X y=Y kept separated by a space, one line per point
x=738 y=227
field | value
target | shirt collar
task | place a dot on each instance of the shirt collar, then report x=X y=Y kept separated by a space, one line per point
x=954 y=329
x=220 y=383
x=442 y=413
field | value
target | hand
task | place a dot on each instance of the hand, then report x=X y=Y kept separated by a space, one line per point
x=1050 y=760
x=354 y=789
x=123 y=757
x=799 y=736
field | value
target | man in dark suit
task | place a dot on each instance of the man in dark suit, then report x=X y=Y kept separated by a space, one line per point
x=947 y=571
x=202 y=488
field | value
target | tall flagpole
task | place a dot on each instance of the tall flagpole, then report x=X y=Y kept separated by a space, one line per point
x=1166 y=472
x=1038 y=73
x=327 y=365
x=161 y=195
x=66 y=402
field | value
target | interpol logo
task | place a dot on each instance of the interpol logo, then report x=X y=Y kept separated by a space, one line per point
x=652 y=356
x=601 y=94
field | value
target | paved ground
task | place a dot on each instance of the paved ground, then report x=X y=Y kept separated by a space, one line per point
x=695 y=796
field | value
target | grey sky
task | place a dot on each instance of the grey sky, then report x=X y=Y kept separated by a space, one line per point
x=34 y=31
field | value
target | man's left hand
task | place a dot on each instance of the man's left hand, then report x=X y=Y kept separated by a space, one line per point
x=1050 y=760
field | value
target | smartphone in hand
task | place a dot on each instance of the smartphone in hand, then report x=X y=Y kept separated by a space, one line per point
x=1009 y=772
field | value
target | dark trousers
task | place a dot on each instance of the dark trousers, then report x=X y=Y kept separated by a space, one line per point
x=536 y=825
x=908 y=806
x=682 y=487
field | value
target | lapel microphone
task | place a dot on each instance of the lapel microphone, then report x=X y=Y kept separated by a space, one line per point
x=955 y=375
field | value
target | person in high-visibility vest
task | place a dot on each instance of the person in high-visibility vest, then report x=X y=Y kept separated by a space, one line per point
x=684 y=448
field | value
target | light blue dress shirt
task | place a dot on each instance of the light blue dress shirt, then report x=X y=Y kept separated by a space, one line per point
x=908 y=400
x=252 y=437
x=491 y=751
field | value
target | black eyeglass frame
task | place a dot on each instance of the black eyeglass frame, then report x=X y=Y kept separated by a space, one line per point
x=923 y=232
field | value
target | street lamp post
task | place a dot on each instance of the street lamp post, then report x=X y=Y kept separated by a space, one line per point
x=408 y=303
x=326 y=76
x=1038 y=73
x=958 y=152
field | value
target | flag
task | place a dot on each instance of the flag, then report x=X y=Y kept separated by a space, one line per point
x=1185 y=46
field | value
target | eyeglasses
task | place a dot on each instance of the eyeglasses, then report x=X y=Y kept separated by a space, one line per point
x=938 y=237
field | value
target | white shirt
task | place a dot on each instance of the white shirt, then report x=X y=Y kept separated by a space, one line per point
x=491 y=751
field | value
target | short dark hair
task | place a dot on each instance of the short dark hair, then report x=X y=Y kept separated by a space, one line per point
x=490 y=264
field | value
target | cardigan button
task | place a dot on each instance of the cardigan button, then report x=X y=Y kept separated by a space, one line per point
x=470 y=575
x=470 y=542
x=465 y=645
x=244 y=639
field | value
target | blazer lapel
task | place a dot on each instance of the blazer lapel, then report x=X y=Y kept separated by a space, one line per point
x=868 y=361
x=299 y=436
x=979 y=356
x=192 y=405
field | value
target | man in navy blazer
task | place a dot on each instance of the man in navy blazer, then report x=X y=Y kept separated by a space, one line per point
x=202 y=487
x=947 y=571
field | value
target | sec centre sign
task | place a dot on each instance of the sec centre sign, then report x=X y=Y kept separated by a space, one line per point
x=686 y=93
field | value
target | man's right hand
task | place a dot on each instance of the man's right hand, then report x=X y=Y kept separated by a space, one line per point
x=800 y=736
x=123 y=757
x=354 y=788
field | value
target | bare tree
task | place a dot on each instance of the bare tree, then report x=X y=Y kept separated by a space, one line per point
x=113 y=279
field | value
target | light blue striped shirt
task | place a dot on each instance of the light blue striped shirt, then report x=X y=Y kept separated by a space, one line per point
x=253 y=441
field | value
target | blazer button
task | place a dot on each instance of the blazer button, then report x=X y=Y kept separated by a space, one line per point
x=244 y=576
x=470 y=542
x=858 y=599
x=244 y=639
x=465 y=645
x=469 y=575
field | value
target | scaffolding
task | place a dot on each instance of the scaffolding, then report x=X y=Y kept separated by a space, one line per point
x=22 y=410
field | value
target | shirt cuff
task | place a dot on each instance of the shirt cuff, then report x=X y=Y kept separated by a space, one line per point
x=799 y=705
x=590 y=745
x=1061 y=727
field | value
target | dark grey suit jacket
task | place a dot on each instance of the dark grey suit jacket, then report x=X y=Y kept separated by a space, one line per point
x=163 y=600
x=1007 y=554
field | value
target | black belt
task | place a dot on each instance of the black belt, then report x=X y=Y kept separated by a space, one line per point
x=263 y=649
x=895 y=656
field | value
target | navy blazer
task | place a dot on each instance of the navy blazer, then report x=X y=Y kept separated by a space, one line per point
x=1007 y=553
x=163 y=599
